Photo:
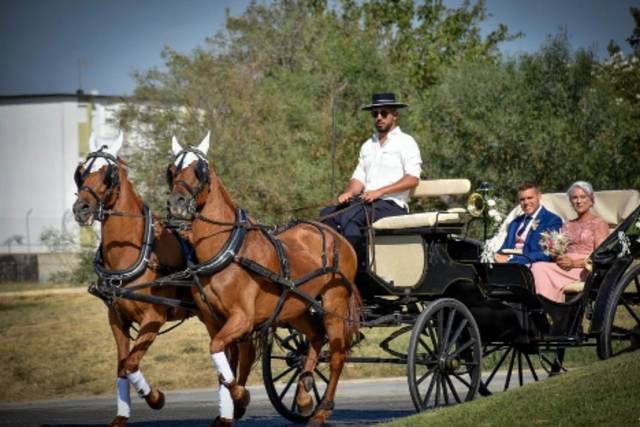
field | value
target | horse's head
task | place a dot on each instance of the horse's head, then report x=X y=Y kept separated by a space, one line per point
x=98 y=181
x=188 y=179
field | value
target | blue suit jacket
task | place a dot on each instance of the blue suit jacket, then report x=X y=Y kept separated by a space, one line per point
x=531 y=252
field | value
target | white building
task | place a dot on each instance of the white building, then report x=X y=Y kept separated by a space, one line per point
x=42 y=140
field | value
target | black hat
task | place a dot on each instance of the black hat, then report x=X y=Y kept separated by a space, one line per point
x=387 y=99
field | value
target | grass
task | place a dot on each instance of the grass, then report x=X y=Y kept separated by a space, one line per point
x=33 y=286
x=602 y=393
x=60 y=345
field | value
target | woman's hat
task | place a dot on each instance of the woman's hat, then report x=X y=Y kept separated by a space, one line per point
x=387 y=99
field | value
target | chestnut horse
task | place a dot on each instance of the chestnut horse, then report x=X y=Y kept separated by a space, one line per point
x=105 y=194
x=242 y=291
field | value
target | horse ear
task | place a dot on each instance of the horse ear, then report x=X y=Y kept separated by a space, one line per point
x=93 y=143
x=204 y=145
x=116 y=146
x=175 y=146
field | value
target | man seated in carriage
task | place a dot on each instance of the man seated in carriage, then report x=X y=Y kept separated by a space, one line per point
x=388 y=167
x=524 y=232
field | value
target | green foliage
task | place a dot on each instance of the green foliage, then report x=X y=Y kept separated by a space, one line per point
x=80 y=262
x=281 y=89
x=552 y=117
x=280 y=100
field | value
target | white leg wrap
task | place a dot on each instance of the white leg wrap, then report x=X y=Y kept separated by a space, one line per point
x=123 y=397
x=221 y=364
x=137 y=379
x=225 y=403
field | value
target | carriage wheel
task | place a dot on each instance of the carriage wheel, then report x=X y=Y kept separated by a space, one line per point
x=621 y=327
x=283 y=356
x=517 y=364
x=445 y=356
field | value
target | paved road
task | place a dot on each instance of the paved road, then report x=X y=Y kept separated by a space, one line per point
x=358 y=403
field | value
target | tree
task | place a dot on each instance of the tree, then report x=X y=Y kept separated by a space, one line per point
x=286 y=80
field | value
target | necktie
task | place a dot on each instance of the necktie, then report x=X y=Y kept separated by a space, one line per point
x=524 y=225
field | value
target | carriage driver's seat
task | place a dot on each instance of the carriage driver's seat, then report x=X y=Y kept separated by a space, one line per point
x=397 y=252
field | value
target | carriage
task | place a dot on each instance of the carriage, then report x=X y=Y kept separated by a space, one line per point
x=425 y=277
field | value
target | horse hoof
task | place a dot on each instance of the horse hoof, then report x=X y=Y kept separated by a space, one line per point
x=241 y=396
x=119 y=421
x=305 y=404
x=221 y=422
x=319 y=418
x=155 y=399
x=238 y=412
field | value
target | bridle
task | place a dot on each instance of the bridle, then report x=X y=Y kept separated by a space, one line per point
x=111 y=180
x=201 y=172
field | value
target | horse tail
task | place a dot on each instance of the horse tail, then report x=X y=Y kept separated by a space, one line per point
x=353 y=321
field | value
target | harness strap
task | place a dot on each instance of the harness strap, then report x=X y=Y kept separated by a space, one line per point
x=133 y=272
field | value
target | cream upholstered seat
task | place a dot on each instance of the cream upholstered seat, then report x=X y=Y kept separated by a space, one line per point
x=401 y=259
x=429 y=188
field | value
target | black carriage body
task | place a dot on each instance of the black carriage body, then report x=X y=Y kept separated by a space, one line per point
x=502 y=297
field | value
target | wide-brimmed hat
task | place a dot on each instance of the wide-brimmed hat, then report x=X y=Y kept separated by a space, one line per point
x=387 y=99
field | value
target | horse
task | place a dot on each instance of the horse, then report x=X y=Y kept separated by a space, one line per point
x=259 y=279
x=135 y=249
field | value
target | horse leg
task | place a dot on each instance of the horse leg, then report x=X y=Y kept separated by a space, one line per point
x=123 y=397
x=236 y=326
x=335 y=303
x=315 y=334
x=149 y=328
x=244 y=354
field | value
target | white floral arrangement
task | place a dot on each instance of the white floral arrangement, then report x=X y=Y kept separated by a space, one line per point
x=496 y=208
x=495 y=215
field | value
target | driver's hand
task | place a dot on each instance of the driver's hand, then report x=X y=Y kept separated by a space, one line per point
x=345 y=197
x=371 y=196
x=501 y=258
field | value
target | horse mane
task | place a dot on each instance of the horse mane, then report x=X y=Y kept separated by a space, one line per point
x=223 y=190
x=123 y=167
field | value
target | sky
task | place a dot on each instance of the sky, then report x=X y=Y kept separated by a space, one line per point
x=42 y=42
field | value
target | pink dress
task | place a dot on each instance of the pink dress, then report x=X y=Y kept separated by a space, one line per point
x=584 y=237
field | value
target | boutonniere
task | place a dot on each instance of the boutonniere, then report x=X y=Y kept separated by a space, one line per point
x=534 y=224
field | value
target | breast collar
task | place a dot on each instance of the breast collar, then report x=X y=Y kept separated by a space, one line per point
x=228 y=253
x=119 y=277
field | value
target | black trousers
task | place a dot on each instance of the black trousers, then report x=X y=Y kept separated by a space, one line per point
x=352 y=222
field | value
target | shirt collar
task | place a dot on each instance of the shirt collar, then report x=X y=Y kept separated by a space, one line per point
x=394 y=132
x=535 y=214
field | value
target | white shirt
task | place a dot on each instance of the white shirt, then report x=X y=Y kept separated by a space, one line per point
x=382 y=165
x=523 y=236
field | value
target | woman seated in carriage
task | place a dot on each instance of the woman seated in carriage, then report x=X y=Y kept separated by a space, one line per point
x=583 y=234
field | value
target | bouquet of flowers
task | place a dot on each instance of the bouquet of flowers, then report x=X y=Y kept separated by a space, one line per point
x=554 y=243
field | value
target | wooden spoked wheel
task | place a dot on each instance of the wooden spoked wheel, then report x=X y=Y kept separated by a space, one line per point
x=283 y=357
x=445 y=356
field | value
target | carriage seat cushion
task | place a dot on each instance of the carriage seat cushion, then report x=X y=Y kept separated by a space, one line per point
x=573 y=288
x=613 y=206
x=418 y=220
x=429 y=188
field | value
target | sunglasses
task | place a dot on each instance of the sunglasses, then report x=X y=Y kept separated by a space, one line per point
x=382 y=113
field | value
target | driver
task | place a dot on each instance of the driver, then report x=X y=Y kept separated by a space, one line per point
x=388 y=168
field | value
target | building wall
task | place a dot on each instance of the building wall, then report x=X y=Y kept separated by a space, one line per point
x=41 y=142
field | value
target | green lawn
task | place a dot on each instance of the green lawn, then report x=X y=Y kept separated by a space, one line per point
x=602 y=393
